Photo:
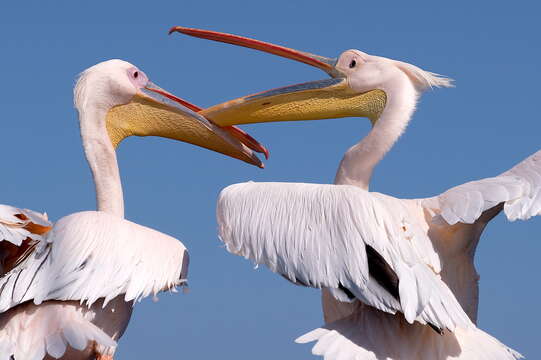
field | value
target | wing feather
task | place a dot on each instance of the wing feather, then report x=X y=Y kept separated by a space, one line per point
x=370 y=335
x=317 y=235
x=93 y=255
x=518 y=188
x=16 y=225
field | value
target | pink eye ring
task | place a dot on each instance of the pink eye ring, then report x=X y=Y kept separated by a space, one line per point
x=137 y=77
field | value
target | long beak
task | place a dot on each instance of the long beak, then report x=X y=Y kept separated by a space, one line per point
x=322 y=99
x=155 y=112
x=324 y=63
x=234 y=131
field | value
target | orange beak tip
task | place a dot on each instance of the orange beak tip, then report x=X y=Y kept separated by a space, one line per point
x=172 y=30
x=265 y=152
x=179 y=29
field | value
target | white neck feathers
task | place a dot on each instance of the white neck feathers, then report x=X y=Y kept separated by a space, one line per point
x=101 y=157
x=359 y=161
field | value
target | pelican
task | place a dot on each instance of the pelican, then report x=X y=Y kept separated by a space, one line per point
x=67 y=290
x=397 y=275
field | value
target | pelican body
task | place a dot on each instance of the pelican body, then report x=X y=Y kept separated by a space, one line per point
x=67 y=290
x=397 y=275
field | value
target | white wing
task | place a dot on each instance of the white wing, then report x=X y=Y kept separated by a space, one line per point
x=343 y=238
x=92 y=255
x=31 y=331
x=372 y=335
x=519 y=189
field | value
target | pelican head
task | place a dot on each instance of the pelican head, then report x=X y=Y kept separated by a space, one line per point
x=361 y=85
x=118 y=99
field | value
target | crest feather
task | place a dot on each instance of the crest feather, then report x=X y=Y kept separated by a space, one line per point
x=422 y=79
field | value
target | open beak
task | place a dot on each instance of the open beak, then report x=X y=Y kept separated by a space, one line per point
x=322 y=99
x=155 y=112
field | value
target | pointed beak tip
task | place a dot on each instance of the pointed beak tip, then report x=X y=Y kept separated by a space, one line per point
x=174 y=29
x=265 y=152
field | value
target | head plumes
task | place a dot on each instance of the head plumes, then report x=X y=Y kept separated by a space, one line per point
x=422 y=79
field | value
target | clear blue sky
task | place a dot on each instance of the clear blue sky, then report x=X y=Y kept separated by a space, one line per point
x=478 y=129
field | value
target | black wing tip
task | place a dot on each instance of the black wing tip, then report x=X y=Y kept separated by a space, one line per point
x=436 y=328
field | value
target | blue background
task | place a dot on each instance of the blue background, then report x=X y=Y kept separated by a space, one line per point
x=489 y=122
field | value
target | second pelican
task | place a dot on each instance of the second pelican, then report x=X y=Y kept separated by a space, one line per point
x=67 y=291
x=398 y=275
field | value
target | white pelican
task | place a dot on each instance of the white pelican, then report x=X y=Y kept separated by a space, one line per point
x=398 y=275
x=68 y=290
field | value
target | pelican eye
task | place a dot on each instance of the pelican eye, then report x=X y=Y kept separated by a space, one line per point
x=136 y=74
x=352 y=64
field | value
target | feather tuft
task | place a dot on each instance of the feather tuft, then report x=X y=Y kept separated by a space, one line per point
x=422 y=79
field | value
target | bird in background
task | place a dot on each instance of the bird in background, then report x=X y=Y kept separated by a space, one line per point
x=397 y=275
x=67 y=290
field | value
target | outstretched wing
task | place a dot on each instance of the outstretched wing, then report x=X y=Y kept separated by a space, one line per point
x=93 y=255
x=20 y=232
x=358 y=244
x=519 y=189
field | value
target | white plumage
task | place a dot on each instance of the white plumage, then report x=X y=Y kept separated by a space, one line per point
x=67 y=291
x=56 y=327
x=87 y=260
x=387 y=267
x=15 y=223
x=369 y=334
x=316 y=235
x=519 y=189
x=92 y=255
